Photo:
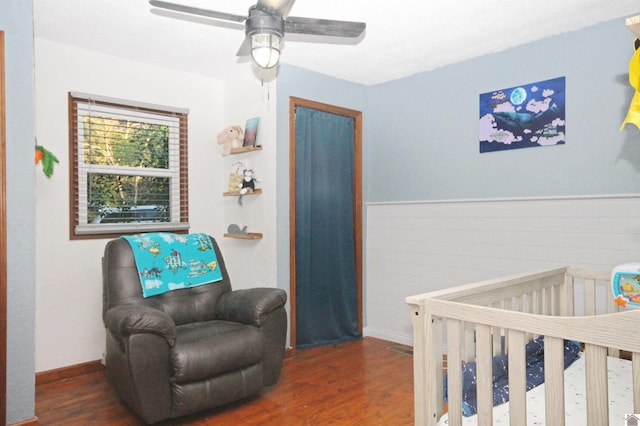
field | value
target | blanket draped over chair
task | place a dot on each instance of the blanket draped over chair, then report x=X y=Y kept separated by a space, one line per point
x=168 y=261
x=535 y=374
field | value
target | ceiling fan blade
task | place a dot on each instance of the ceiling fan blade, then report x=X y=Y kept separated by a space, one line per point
x=245 y=47
x=279 y=7
x=197 y=11
x=324 y=27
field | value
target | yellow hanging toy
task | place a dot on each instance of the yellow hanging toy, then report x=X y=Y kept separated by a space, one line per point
x=633 y=116
x=47 y=158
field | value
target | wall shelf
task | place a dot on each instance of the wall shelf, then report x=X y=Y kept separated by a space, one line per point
x=243 y=149
x=237 y=193
x=245 y=236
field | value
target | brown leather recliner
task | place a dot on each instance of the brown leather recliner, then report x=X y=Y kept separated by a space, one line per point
x=190 y=349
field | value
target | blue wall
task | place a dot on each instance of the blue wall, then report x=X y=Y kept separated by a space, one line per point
x=422 y=142
x=421 y=132
x=420 y=139
x=16 y=22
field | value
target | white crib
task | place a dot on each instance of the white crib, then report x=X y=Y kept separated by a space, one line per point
x=480 y=320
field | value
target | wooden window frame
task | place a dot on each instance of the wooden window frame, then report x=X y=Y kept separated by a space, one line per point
x=112 y=231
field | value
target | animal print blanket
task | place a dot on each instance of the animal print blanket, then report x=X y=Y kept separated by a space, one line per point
x=168 y=261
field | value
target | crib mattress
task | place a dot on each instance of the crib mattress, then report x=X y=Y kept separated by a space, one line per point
x=620 y=397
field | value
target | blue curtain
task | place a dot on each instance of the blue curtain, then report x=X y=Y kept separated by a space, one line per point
x=326 y=287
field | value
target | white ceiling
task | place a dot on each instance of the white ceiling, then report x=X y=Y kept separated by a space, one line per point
x=403 y=37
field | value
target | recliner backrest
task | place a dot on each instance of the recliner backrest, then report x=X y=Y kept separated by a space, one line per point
x=121 y=285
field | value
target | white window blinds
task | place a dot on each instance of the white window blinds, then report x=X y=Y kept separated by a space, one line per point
x=130 y=166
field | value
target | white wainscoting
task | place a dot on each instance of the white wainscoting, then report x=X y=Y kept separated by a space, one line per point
x=416 y=247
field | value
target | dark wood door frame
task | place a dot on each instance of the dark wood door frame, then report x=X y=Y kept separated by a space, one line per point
x=3 y=246
x=357 y=202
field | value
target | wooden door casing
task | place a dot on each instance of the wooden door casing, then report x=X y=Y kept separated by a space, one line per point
x=3 y=246
x=357 y=203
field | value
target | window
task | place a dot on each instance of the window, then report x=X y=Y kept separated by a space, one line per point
x=129 y=167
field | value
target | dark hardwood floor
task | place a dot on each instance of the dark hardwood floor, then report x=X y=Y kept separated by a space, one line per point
x=366 y=382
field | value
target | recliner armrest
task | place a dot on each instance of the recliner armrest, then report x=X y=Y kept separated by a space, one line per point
x=250 y=306
x=125 y=320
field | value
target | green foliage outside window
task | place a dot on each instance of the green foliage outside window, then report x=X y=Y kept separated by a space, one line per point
x=130 y=145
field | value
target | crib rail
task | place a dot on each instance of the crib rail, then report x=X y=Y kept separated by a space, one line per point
x=480 y=320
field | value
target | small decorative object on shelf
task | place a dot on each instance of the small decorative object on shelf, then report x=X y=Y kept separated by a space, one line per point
x=248 y=184
x=242 y=181
x=235 y=229
x=230 y=138
x=235 y=177
x=251 y=132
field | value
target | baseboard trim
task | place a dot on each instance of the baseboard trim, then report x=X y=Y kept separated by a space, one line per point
x=68 y=372
x=391 y=337
x=30 y=422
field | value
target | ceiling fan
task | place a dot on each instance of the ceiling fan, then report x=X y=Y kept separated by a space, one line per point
x=266 y=25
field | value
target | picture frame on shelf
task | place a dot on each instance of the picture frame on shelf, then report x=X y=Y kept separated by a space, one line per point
x=251 y=132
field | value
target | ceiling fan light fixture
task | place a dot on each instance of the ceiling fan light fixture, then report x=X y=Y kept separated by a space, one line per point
x=265 y=27
x=265 y=49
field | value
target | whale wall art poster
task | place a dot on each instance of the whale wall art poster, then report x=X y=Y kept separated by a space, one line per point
x=524 y=116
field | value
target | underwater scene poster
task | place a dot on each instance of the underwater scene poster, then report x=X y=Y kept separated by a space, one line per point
x=525 y=116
